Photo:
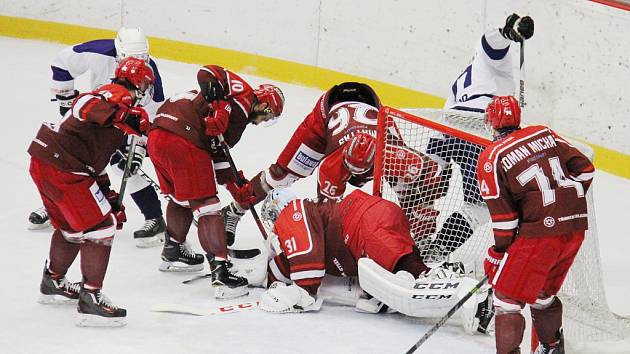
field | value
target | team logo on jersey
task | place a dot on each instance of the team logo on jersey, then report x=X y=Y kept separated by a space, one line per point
x=400 y=154
x=487 y=167
x=297 y=216
x=549 y=221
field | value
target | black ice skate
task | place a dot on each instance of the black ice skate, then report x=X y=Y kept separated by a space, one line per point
x=231 y=217
x=178 y=257
x=151 y=234
x=57 y=290
x=96 y=310
x=38 y=219
x=557 y=348
x=226 y=285
x=485 y=314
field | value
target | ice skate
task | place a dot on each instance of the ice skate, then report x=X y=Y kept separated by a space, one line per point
x=57 y=290
x=226 y=285
x=96 y=310
x=231 y=217
x=38 y=219
x=151 y=234
x=178 y=257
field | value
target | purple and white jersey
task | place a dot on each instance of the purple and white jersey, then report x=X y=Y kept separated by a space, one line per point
x=488 y=75
x=99 y=58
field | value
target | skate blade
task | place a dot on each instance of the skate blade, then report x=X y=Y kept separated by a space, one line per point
x=56 y=300
x=31 y=226
x=180 y=267
x=225 y=292
x=148 y=242
x=86 y=320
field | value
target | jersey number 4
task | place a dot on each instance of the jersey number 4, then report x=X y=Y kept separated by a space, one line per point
x=535 y=172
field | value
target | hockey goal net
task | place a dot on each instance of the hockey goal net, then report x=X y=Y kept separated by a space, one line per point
x=462 y=230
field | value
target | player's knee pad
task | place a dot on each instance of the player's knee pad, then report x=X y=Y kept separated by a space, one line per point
x=543 y=303
x=503 y=305
x=210 y=206
x=102 y=233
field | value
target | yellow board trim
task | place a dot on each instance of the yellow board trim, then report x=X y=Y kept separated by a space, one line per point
x=281 y=70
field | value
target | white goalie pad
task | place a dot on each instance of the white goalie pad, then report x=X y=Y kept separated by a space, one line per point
x=422 y=297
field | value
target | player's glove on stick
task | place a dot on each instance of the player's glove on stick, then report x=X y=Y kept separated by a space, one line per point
x=518 y=28
x=217 y=123
x=65 y=101
x=137 y=157
x=131 y=120
x=244 y=195
x=118 y=211
x=492 y=261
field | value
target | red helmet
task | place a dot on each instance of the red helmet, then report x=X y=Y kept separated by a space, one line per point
x=138 y=74
x=503 y=112
x=272 y=96
x=358 y=154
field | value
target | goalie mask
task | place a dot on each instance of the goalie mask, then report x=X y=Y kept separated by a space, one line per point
x=273 y=204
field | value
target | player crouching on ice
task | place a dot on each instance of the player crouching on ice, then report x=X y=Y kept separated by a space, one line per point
x=360 y=235
x=68 y=161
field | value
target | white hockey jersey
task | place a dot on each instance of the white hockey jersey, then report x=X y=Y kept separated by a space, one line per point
x=99 y=58
x=489 y=74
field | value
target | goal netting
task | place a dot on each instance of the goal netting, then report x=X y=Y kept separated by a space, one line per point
x=407 y=143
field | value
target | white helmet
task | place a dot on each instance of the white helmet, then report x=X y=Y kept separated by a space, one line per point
x=131 y=42
x=273 y=205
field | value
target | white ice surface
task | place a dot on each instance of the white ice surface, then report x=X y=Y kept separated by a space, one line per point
x=133 y=280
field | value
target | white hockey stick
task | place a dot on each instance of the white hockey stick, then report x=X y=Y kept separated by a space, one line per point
x=204 y=311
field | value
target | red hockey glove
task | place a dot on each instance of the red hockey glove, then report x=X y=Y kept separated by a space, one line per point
x=131 y=120
x=119 y=212
x=217 y=124
x=243 y=195
x=423 y=222
x=491 y=263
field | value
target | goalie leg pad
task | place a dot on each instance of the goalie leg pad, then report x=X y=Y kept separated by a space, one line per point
x=424 y=297
x=340 y=290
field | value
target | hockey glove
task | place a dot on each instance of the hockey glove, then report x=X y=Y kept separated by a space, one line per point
x=131 y=120
x=518 y=28
x=118 y=211
x=136 y=159
x=491 y=263
x=217 y=123
x=65 y=101
x=283 y=298
x=212 y=91
x=244 y=195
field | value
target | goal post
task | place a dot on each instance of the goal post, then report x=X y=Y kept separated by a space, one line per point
x=462 y=230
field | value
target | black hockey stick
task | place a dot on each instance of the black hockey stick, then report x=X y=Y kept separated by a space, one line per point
x=448 y=315
x=521 y=91
x=240 y=182
x=127 y=171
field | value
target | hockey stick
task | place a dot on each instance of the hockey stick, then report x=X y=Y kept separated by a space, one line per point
x=448 y=315
x=521 y=93
x=240 y=182
x=199 y=311
x=127 y=171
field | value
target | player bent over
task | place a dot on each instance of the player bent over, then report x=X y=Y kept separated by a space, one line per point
x=329 y=137
x=68 y=161
x=315 y=238
x=535 y=185
x=101 y=58
x=185 y=151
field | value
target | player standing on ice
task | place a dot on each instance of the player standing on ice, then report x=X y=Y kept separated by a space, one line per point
x=534 y=183
x=337 y=135
x=68 y=161
x=328 y=237
x=100 y=58
x=488 y=75
x=184 y=147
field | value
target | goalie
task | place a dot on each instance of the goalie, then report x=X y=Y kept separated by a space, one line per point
x=315 y=238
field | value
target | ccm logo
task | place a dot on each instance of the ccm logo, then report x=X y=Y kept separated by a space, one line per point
x=431 y=297
x=436 y=286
